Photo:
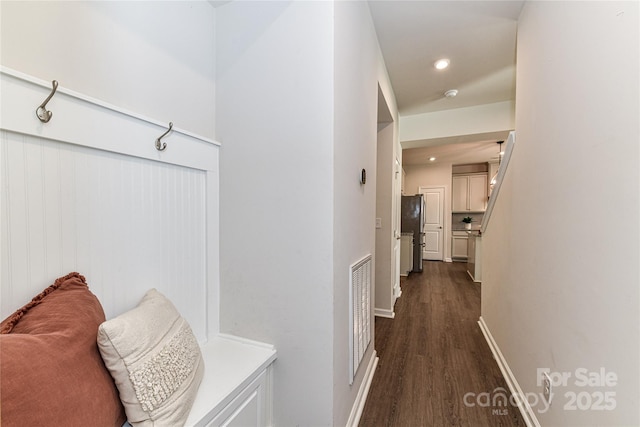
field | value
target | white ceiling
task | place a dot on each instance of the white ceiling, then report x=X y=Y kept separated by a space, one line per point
x=478 y=37
x=455 y=153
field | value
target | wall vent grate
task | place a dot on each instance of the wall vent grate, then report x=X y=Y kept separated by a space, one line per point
x=359 y=313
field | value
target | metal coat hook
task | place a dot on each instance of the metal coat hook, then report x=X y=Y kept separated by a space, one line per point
x=161 y=146
x=43 y=114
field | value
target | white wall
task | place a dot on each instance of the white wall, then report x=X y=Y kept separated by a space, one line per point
x=435 y=175
x=296 y=114
x=357 y=64
x=563 y=292
x=481 y=119
x=275 y=119
x=154 y=58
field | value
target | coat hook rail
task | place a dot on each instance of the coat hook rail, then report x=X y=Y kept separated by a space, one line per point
x=161 y=146
x=43 y=114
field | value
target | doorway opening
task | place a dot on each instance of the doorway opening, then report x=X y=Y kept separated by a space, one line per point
x=388 y=181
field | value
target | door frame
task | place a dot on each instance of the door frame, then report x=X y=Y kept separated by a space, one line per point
x=446 y=217
x=396 y=194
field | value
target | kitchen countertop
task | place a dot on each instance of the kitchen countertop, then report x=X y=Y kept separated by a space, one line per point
x=473 y=228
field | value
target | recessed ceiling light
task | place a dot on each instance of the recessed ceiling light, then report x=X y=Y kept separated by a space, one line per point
x=451 y=93
x=432 y=159
x=441 y=64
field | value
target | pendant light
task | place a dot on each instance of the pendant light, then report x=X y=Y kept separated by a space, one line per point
x=494 y=179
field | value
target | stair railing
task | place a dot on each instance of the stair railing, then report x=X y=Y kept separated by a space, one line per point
x=504 y=164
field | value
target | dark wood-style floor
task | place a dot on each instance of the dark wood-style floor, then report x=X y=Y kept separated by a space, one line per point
x=432 y=354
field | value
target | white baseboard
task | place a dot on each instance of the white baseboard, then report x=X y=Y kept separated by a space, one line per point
x=525 y=409
x=473 y=278
x=363 y=392
x=390 y=314
x=397 y=291
x=448 y=260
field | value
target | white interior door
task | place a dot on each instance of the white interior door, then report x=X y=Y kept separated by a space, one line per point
x=434 y=223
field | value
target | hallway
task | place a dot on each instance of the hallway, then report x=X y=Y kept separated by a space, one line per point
x=433 y=354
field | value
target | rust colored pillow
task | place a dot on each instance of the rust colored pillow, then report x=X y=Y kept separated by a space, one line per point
x=51 y=372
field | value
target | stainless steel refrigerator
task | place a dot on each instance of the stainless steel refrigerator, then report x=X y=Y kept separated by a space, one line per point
x=412 y=221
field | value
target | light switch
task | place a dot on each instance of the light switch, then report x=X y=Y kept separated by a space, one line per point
x=378 y=222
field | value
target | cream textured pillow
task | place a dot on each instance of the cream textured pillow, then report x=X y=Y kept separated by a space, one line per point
x=155 y=361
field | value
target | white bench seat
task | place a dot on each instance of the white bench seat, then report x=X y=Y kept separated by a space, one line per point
x=236 y=387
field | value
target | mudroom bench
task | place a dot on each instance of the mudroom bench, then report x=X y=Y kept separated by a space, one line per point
x=236 y=387
x=133 y=212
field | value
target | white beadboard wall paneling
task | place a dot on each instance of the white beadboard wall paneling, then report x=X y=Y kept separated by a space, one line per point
x=73 y=208
x=89 y=192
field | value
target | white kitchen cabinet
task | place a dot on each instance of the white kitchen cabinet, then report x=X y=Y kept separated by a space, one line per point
x=469 y=193
x=460 y=193
x=459 y=241
x=477 y=193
